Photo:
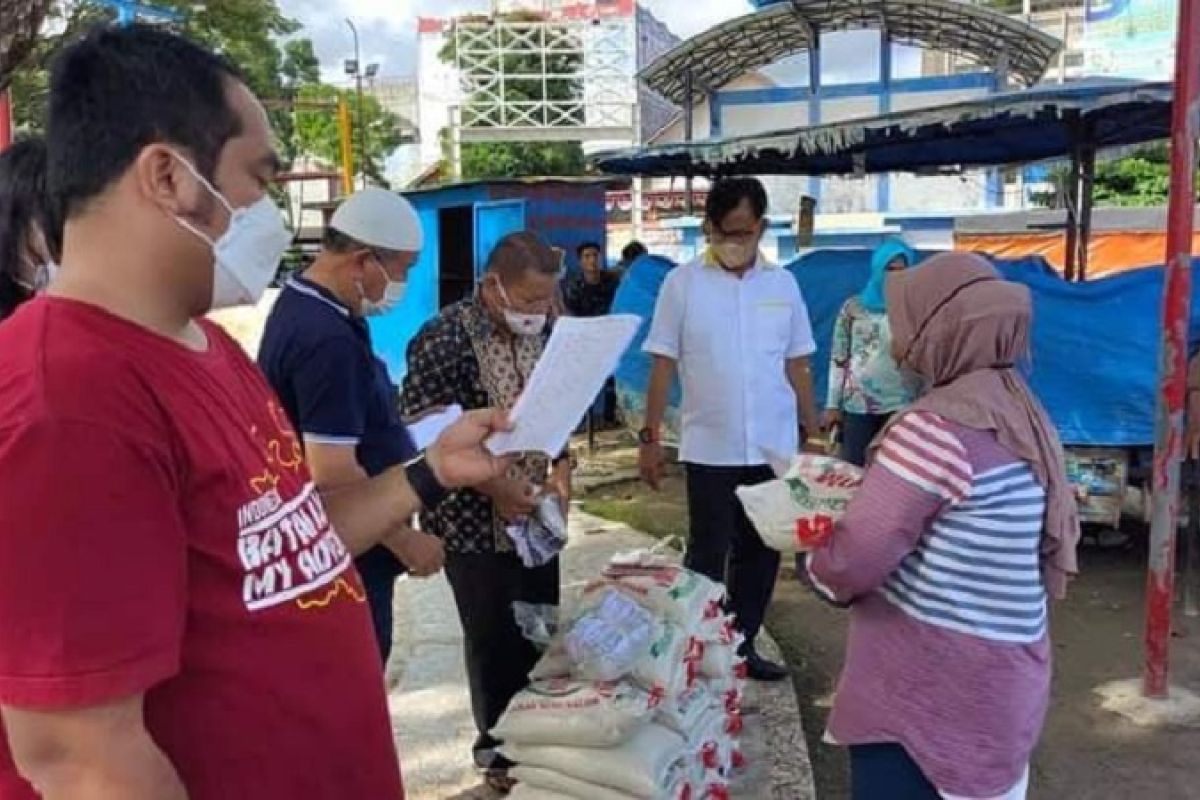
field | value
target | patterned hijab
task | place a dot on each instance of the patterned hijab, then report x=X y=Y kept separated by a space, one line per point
x=963 y=328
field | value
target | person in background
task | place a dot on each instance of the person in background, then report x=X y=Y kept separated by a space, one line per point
x=179 y=614
x=631 y=253
x=316 y=353
x=736 y=329
x=479 y=353
x=30 y=225
x=865 y=386
x=590 y=292
x=964 y=525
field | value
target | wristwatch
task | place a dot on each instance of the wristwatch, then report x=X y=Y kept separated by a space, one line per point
x=424 y=482
x=647 y=436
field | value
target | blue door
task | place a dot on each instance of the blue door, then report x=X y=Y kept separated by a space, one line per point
x=494 y=220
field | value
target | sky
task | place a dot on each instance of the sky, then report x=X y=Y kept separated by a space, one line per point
x=387 y=32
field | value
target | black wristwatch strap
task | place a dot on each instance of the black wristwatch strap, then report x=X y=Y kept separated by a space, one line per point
x=424 y=483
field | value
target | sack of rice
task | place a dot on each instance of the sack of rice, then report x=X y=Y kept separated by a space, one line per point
x=567 y=787
x=670 y=591
x=798 y=512
x=650 y=765
x=670 y=666
x=575 y=713
x=606 y=642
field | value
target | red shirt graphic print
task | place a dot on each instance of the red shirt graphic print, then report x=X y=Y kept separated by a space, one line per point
x=161 y=535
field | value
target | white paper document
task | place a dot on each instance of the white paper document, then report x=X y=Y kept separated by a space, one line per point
x=425 y=431
x=580 y=356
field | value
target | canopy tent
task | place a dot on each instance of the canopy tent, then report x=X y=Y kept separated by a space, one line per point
x=1074 y=120
x=1010 y=128
x=712 y=59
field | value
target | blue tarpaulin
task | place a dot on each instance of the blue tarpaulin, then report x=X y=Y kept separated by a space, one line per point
x=1095 y=344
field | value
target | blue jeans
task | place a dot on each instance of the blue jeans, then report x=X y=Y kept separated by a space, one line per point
x=887 y=772
x=379 y=568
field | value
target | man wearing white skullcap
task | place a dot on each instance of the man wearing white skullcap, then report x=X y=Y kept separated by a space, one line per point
x=316 y=352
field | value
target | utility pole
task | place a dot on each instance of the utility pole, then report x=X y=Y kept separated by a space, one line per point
x=362 y=119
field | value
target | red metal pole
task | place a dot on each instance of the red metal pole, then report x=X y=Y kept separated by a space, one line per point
x=1185 y=125
x=5 y=119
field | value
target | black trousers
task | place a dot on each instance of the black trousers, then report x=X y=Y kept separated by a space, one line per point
x=498 y=657
x=724 y=545
x=858 y=431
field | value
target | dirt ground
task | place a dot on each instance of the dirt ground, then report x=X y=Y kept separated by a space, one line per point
x=1085 y=752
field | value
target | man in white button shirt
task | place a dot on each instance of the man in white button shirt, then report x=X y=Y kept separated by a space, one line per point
x=736 y=329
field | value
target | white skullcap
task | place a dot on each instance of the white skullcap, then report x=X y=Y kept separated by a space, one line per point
x=379 y=218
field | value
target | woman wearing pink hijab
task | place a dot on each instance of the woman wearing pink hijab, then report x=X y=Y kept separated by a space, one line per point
x=964 y=527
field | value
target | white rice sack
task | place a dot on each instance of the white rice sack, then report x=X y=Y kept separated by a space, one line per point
x=669 y=667
x=669 y=591
x=649 y=766
x=798 y=512
x=684 y=713
x=560 y=785
x=606 y=642
x=575 y=713
x=714 y=745
x=721 y=659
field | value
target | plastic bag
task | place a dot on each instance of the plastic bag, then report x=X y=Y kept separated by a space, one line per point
x=607 y=642
x=538 y=623
x=575 y=713
x=798 y=512
x=543 y=535
x=669 y=667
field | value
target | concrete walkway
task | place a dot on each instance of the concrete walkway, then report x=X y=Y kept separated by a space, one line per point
x=431 y=712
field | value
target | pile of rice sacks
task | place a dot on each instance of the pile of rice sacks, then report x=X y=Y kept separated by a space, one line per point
x=638 y=697
x=797 y=512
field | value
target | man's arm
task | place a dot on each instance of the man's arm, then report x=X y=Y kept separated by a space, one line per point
x=651 y=459
x=365 y=511
x=98 y=753
x=334 y=467
x=800 y=377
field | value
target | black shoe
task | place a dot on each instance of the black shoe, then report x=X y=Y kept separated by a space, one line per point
x=760 y=669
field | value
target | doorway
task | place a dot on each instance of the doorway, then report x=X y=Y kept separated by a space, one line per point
x=456 y=249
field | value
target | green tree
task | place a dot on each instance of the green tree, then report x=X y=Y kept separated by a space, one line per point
x=522 y=59
x=317 y=131
x=1140 y=179
x=248 y=32
x=19 y=25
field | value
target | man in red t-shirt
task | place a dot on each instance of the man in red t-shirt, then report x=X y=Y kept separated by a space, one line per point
x=179 y=614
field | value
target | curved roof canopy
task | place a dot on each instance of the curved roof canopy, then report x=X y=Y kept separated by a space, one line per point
x=1036 y=124
x=741 y=45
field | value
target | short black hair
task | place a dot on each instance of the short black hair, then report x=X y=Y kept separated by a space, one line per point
x=24 y=203
x=121 y=88
x=522 y=252
x=583 y=248
x=726 y=194
x=633 y=251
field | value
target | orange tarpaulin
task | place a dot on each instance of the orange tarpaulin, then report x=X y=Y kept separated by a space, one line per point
x=1109 y=252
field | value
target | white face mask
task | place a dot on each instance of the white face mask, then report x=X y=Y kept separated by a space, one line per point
x=521 y=324
x=246 y=256
x=392 y=295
